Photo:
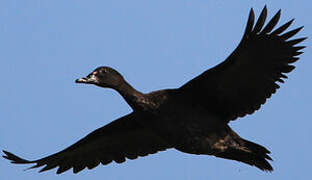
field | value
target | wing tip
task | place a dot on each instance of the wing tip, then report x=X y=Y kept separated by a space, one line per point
x=283 y=27
x=250 y=23
x=265 y=8
x=296 y=41
x=251 y=11
x=279 y=11
x=261 y=20
x=251 y=15
x=272 y=23
x=14 y=159
x=300 y=28
x=291 y=33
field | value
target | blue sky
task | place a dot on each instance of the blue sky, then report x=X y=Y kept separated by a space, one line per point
x=155 y=44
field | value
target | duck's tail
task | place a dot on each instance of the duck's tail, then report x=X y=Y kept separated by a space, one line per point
x=247 y=152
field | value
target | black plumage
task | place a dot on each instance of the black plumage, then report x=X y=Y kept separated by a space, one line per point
x=193 y=118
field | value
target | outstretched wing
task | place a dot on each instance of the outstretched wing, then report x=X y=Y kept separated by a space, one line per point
x=242 y=83
x=122 y=138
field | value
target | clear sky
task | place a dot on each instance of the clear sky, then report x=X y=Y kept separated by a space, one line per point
x=155 y=44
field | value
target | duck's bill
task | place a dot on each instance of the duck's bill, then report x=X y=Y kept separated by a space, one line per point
x=82 y=80
x=87 y=80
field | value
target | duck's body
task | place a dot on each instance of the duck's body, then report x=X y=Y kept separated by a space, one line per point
x=193 y=118
x=188 y=127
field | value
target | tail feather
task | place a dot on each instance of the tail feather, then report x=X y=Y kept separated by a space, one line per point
x=248 y=158
x=250 y=153
x=258 y=149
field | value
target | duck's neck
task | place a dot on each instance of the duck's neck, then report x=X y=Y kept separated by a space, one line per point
x=132 y=96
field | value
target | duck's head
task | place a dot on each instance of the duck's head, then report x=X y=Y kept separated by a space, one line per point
x=103 y=77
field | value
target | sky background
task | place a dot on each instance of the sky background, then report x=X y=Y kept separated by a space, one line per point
x=155 y=44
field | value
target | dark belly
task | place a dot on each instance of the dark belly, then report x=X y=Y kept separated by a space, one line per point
x=185 y=130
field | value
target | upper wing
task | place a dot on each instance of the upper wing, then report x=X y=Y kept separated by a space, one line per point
x=242 y=83
x=122 y=138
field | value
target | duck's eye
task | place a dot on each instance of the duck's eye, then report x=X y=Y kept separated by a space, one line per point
x=95 y=72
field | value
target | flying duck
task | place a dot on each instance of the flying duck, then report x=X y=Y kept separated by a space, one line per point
x=193 y=118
